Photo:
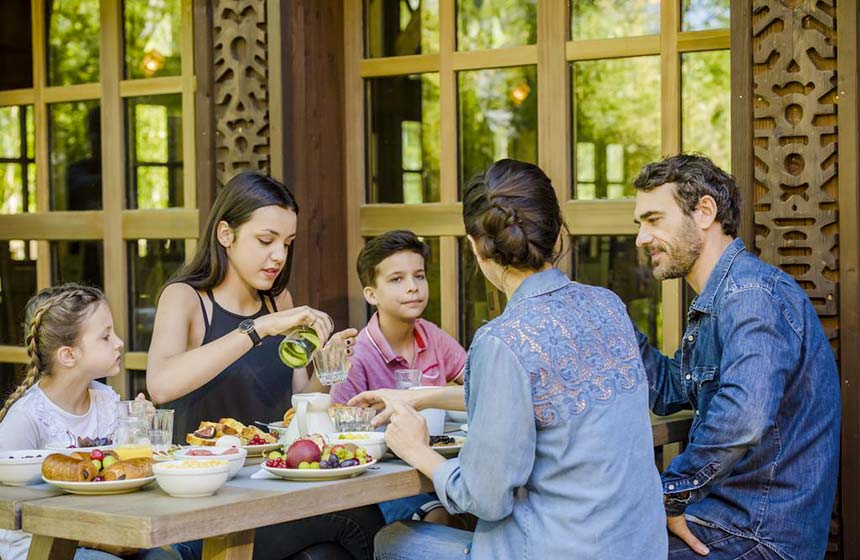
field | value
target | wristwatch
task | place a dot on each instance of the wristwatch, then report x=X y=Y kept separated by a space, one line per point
x=247 y=327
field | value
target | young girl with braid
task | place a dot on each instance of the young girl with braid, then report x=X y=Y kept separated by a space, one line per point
x=70 y=343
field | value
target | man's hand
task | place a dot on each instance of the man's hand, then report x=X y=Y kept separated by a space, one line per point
x=382 y=399
x=678 y=526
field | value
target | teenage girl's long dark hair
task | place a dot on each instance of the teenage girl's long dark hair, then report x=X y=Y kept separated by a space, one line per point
x=243 y=194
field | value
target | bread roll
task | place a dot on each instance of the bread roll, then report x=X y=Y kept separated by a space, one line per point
x=69 y=469
x=139 y=467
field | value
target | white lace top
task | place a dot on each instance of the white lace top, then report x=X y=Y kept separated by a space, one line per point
x=34 y=421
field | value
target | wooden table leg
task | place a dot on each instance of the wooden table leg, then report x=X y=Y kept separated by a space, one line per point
x=51 y=548
x=235 y=546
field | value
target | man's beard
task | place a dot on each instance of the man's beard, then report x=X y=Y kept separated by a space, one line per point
x=679 y=258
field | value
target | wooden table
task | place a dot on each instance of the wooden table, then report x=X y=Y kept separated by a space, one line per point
x=150 y=518
x=12 y=498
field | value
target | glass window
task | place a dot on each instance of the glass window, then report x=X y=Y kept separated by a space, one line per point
x=704 y=14
x=75 y=155
x=433 y=312
x=495 y=24
x=616 y=124
x=17 y=286
x=74 y=32
x=154 y=151
x=77 y=261
x=403 y=139
x=152 y=46
x=151 y=263
x=11 y=375
x=400 y=27
x=604 y=19
x=17 y=166
x=614 y=262
x=16 y=45
x=137 y=384
x=498 y=118
x=706 y=105
x=480 y=301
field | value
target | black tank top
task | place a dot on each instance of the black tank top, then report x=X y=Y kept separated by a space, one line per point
x=257 y=386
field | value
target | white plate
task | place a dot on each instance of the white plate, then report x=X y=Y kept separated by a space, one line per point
x=70 y=450
x=101 y=488
x=450 y=450
x=260 y=449
x=319 y=474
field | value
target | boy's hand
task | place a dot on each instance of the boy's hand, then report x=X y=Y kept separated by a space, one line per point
x=383 y=400
x=348 y=338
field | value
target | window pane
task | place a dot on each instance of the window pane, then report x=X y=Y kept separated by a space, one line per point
x=74 y=31
x=150 y=263
x=704 y=14
x=495 y=24
x=616 y=124
x=706 y=105
x=137 y=384
x=77 y=261
x=17 y=286
x=433 y=312
x=154 y=151
x=17 y=171
x=16 y=45
x=75 y=149
x=480 y=301
x=403 y=135
x=498 y=118
x=603 y=19
x=614 y=262
x=152 y=46
x=401 y=27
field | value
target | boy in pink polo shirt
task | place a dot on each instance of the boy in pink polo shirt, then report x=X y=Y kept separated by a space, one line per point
x=391 y=269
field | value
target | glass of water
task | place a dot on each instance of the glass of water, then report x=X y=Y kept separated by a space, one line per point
x=161 y=430
x=407 y=378
x=331 y=362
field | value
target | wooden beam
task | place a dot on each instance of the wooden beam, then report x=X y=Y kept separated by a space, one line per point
x=497 y=58
x=396 y=65
x=154 y=86
x=449 y=265
x=40 y=132
x=85 y=224
x=742 y=114
x=17 y=97
x=711 y=40
x=172 y=223
x=594 y=49
x=848 y=68
x=65 y=94
x=13 y=354
x=204 y=111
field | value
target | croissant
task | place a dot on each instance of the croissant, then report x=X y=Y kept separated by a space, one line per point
x=70 y=469
x=139 y=467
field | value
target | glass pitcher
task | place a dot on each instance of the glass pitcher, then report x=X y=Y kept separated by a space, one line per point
x=132 y=430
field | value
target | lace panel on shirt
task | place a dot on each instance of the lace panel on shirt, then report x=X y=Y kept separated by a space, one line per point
x=102 y=404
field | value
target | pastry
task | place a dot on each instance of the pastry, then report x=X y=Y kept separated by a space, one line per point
x=139 y=467
x=69 y=469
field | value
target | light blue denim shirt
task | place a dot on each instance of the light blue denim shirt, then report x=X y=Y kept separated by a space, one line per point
x=759 y=372
x=559 y=461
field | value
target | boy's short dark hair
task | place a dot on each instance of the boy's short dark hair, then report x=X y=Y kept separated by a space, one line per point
x=383 y=246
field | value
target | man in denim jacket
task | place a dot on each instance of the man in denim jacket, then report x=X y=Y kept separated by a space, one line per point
x=758 y=477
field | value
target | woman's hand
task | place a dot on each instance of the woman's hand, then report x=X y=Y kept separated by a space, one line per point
x=284 y=321
x=406 y=434
x=382 y=399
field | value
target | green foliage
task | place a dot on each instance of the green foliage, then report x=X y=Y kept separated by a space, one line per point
x=152 y=45
x=603 y=19
x=706 y=105
x=73 y=41
x=495 y=24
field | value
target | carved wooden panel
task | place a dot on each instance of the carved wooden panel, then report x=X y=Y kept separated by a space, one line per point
x=241 y=88
x=794 y=65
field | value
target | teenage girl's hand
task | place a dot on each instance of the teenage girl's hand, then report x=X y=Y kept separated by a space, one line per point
x=281 y=322
x=348 y=338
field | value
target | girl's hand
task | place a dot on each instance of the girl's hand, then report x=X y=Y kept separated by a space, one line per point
x=281 y=322
x=382 y=399
x=406 y=434
x=348 y=338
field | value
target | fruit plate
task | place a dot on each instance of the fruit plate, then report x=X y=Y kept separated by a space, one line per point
x=319 y=474
x=450 y=450
x=254 y=450
x=101 y=488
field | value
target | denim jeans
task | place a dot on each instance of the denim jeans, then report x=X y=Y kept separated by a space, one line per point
x=353 y=530
x=723 y=546
x=149 y=554
x=417 y=540
x=403 y=509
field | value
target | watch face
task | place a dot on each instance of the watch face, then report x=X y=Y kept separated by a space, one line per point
x=246 y=326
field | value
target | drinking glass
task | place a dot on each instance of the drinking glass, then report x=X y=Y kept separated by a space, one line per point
x=353 y=419
x=407 y=378
x=161 y=429
x=132 y=429
x=331 y=362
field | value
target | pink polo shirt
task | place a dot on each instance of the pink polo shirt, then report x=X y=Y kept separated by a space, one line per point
x=439 y=357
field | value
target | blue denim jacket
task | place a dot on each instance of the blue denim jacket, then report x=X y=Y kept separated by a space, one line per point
x=559 y=459
x=759 y=373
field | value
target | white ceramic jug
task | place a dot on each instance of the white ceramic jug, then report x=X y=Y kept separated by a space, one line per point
x=311 y=417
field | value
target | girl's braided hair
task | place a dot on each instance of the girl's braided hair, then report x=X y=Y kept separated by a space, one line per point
x=53 y=319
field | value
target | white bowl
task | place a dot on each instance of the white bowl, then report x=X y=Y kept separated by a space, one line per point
x=22 y=467
x=179 y=479
x=373 y=442
x=69 y=450
x=235 y=460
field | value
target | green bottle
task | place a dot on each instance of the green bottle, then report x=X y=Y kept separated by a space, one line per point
x=298 y=347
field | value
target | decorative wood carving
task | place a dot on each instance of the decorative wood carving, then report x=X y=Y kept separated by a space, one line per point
x=241 y=88
x=794 y=107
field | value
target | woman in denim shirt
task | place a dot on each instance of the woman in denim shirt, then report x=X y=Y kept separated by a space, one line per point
x=559 y=460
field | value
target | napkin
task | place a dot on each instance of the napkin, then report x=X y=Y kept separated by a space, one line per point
x=263 y=474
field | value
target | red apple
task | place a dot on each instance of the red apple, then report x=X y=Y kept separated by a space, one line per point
x=302 y=451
